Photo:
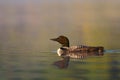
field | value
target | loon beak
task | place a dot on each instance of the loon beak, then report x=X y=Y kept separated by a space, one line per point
x=54 y=39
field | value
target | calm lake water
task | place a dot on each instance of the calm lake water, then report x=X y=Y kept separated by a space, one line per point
x=39 y=66
x=26 y=27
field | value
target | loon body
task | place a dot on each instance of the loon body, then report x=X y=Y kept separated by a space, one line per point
x=79 y=51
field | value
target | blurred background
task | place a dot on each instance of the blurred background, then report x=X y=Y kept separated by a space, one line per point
x=29 y=24
x=26 y=27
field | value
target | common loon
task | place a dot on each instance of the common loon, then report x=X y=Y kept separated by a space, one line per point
x=79 y=51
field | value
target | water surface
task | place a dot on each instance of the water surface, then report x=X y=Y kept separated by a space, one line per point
x=39 y=66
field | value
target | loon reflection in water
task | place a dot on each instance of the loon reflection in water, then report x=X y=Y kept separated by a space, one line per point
x=64 y=63
x=80 y=51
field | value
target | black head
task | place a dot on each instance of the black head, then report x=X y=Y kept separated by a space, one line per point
x=62 y=40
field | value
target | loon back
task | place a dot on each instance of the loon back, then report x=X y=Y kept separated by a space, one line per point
x=80 y=51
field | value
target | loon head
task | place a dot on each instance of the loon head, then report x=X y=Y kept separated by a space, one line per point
x=64 y=41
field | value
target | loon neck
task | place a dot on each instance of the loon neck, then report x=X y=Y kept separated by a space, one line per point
x=65 y=44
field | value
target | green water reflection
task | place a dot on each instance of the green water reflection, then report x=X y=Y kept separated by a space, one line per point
x=27 y=66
